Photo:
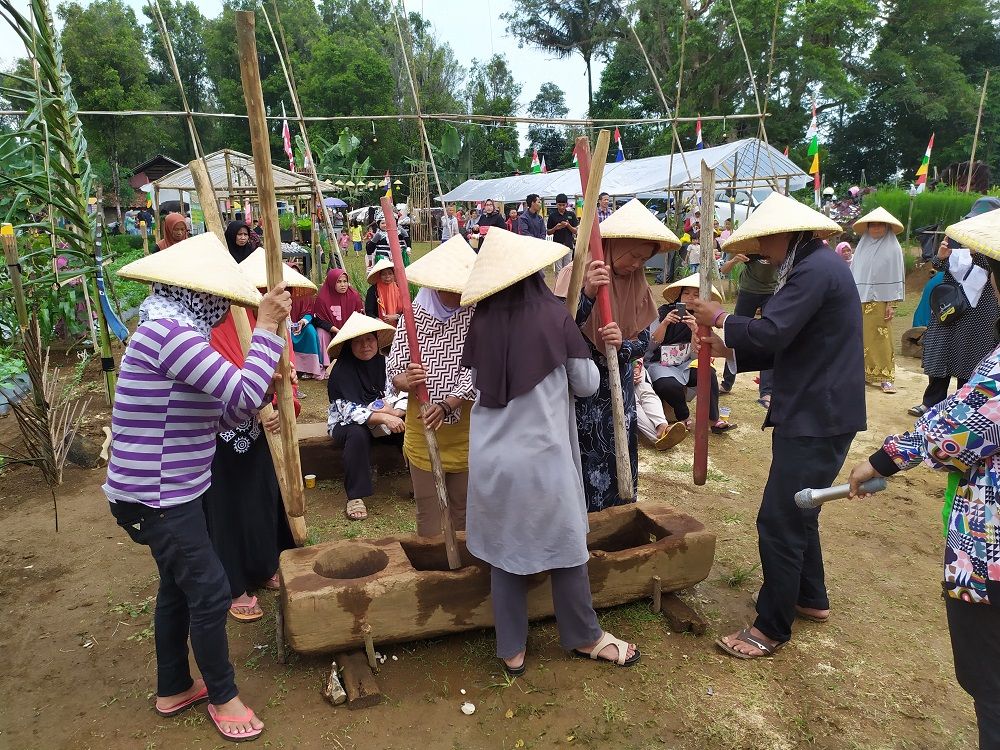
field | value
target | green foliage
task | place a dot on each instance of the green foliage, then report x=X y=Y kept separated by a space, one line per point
x=491 y=90
x=11 y=364
x=286 y=221
x=943 y=206
x=552 y=142
x=129 y=293
x=304 y=222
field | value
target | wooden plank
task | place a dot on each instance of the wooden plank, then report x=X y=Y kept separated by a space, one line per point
x=680 y=617
x=359 y=682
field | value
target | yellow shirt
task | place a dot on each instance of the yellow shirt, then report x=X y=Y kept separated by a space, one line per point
x=355 y=234
x=453 y=440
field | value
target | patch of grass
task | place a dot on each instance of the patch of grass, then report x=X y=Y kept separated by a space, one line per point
x=739 y=575
x=614 y=712
x=133 y=610
x=145 y=634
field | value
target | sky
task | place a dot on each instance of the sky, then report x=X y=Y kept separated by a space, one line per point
x=473 y=29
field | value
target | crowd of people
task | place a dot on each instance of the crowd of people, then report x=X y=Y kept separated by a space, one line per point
x=520 y=401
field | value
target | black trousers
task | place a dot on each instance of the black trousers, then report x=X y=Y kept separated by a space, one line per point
x=975 y=644
x=193 y=599
x=747 y=304
x=356 y=440
x=675 y=394
x=790 y=555
x=937 y=390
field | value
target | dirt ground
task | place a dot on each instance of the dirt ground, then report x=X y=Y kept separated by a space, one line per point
x=76 y=647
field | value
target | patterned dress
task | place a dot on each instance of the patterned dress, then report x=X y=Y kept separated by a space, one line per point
x=962 y=435
x=595 y=423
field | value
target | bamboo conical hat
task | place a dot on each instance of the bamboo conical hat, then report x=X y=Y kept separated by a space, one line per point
x=255 y=267
x=878 y=216
x=358 y=325
x=446 y=268
x=504 y=259
x=776 y=215
x=980 y=233
x=673 y=292
x=202 y=264
x=635 y=221
x=383 y=264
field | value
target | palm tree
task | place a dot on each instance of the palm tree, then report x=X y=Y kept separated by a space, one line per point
x=566 y=26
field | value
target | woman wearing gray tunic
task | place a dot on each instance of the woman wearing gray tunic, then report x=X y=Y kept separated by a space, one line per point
x=527 y=512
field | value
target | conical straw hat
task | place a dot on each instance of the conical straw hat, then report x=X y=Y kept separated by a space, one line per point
x=202 y=264
x=358 y=325
x=673 y=292
x=776 y=215
x=635 y=221
x=445 y=268
x=980 y=233
x=255 y=268
x=382 y=265
x=878 y=216
x=504 y=259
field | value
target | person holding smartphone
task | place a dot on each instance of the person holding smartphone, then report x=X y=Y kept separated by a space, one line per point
x=562 y=226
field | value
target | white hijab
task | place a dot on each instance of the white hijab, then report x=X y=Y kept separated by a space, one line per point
x=878 y=268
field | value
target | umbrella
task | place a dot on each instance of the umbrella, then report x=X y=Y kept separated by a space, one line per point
x=334 y=203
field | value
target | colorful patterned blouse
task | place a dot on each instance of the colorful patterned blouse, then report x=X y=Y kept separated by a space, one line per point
x=962 y=434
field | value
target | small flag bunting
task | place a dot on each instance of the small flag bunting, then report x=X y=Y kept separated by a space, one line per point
x=536 y=166
x=924 y=165
x=286 y=138
x=620 y=156
x=698 y=143
x=813 y=136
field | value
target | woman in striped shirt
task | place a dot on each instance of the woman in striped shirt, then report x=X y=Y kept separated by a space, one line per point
x=174 y=394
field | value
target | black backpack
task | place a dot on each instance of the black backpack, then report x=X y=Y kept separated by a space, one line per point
x=948 y=301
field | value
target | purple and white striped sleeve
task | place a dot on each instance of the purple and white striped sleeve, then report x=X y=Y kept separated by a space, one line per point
x=187 y=357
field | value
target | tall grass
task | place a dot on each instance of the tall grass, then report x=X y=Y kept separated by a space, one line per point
x=942 y=206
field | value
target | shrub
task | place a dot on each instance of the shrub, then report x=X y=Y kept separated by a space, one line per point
x=943 y=206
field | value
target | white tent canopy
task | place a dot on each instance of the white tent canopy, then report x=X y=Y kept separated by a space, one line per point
x=744 y=164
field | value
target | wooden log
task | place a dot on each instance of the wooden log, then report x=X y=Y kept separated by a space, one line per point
x=261 y=147
x=421 y=394
x=213 y=222
x=626 y=490
x=402 y=585
x=681 y=618
x=912 y=344
x=359 y=682
x=700 y=470
x=657 y=593
x=366 y=629
x=333 y=690
x=584 y=234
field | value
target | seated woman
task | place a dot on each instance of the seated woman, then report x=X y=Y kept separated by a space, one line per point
x=360 y=408
x=673 y=361
x=335 y=303
x=382 y=300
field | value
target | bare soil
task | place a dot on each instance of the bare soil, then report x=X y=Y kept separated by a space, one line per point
x=76 y=647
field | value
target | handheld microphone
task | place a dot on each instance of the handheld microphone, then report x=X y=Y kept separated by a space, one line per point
x=809 y=498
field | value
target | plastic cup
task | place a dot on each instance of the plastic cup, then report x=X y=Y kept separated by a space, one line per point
x=310 y=481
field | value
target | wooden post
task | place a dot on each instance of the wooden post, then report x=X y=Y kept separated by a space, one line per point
x=909 y=216
x=260 y=140
x=706 y=271
x=213 y=223
x=626 y=491
x=359 y=682
x=14 y=271
x=591 y=185
x=657 y=594
x=157 y=224
x=370 y=647
x=450 y=543
x=144 y=233
x=975 y=137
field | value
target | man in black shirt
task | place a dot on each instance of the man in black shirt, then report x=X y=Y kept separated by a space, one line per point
x=562 y=227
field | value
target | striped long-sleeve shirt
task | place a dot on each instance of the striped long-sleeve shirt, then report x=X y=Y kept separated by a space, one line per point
x=174 y=392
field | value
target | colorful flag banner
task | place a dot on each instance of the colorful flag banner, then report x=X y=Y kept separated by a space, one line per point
x=545 y=169
x=536 y=166
x=576 y=162
x=813 y=137
x=387 y=184
x=698 y=143
x=620 y=156
x=286 y=138
x=924 y=166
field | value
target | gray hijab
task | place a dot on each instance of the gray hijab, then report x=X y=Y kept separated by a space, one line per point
x=878 y=268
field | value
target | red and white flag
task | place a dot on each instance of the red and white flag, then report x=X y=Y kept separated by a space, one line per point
x=286 y=138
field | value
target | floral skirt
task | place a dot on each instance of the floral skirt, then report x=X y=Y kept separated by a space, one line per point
x=880 y=358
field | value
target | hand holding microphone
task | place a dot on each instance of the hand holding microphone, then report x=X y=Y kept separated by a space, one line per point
x=810 y=498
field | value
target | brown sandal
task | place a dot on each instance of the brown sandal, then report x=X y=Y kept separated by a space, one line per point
x=745 y=637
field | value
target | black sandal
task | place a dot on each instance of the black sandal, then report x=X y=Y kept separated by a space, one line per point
x=515 y=671
x=744 y=636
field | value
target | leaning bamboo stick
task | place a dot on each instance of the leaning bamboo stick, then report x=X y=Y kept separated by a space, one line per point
x=623 y=463
x=700 y=470
x=450 y=544
x=261 y=147
x=975 y=138
x=213 y=221
x=583 y=233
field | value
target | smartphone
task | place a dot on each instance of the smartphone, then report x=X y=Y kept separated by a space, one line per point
x=681 y=309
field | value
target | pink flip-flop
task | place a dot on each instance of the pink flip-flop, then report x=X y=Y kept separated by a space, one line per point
x=231 y=736
x=200 y=697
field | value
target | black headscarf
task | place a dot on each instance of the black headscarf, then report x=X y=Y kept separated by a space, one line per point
x=517 y=337
x=355 y=380
x=239 y=254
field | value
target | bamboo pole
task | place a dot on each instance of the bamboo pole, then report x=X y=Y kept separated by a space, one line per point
x=705 y=272
x=286 y=67
x=975 y=137
x=157 y=224
x=260 y=141
x=626 y=489
x=591 y=185
x=450 y=544
x=144 y=233
x=213 y=223
x=14 y=271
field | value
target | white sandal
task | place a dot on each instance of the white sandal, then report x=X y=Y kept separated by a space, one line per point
x=356 y=510
x=607 y=639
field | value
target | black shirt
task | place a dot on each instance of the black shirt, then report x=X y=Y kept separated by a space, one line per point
x=562 y=236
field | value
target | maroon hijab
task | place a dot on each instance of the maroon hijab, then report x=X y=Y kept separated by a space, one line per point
x=516 y=338
x=333 y=307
